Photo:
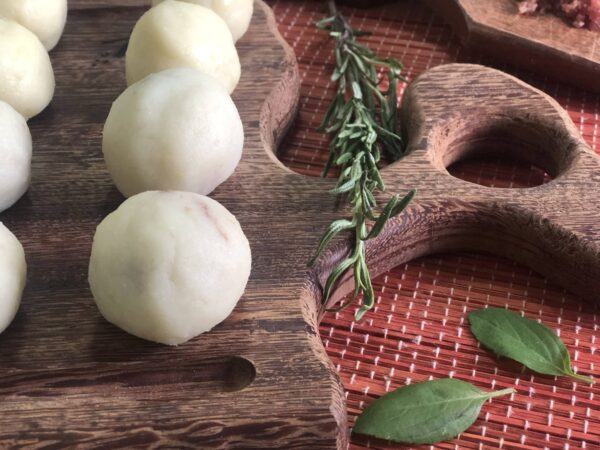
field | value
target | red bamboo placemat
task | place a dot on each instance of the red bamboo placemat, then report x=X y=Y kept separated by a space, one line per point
x=418 y=329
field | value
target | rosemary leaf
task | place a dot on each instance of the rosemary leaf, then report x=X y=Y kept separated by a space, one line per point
x=362 y=122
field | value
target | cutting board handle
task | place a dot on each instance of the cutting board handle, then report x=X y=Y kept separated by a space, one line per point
x=458 y=111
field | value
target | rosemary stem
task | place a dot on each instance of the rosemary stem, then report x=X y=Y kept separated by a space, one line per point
x=362 y=124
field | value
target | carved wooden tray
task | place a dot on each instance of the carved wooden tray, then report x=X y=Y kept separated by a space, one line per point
x=261 y=379
x=545 y=44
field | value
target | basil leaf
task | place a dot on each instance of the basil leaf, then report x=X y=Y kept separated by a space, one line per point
x=424 y=413
x=532 y=344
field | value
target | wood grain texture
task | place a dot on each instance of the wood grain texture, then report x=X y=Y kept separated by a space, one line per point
x=545 y=44
x=261 y=379
x=67 y=377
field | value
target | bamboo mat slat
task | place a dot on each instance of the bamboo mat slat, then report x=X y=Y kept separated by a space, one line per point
x=418 y=329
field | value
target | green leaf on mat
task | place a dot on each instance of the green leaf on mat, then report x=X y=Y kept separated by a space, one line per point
x=524 y=340
x=424 y=413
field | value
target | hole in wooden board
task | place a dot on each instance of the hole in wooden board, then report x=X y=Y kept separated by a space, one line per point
x=503 y=151
x=239 y=374
x=499 y=172
x=226 y=375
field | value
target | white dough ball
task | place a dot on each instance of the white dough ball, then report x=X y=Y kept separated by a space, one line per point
x=236 y=13
x=179 y=34
x=15 y=156
x=26 y=76
x=13 y=271
x=168 y=266
x=45 y=18
x=174 y=130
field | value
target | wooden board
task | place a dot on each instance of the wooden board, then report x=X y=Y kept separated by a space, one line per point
x=545 y=44
x=261 y=379
x=67 y=377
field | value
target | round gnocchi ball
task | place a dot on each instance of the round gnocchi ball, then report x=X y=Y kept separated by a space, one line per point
x=26 y=76
x=179 y=34
x=236 y=13
x=168 y=266
x=45 y=18
x=13 y=271
x=174 y=130
x=15 y=156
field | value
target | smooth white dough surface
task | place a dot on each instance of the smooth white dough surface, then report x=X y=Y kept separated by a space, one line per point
x=13 y=272
x=174 y=130
x=15 y=156
x=179 y=34
x=237 y=14
x=26 y=76
x=168 y=266
x=45 y=18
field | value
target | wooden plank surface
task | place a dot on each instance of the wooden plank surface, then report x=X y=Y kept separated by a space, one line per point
x=543 y=43
x=261 y=379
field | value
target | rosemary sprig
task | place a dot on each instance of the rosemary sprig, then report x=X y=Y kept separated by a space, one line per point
x=362 y=122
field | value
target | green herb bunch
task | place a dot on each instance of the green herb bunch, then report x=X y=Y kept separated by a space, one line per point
x=363 y=123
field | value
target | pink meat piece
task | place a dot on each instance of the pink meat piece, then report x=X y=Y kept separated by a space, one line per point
x=528 y=6
x=575 y=10
x=581 y=13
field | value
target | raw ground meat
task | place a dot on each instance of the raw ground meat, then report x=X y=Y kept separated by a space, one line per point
x=581 y=13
